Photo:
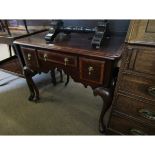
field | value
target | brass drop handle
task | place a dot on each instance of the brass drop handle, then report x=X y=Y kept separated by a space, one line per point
x=45 y=57
x=29 y=56
x=151 y=91
x=66 y=61
x=147 y=114
x=90 y=69
x=136 y=132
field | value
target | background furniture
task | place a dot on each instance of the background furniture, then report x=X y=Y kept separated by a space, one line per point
x=91 y=67
x=7 y=36
x=133 y=108
x=5 y=28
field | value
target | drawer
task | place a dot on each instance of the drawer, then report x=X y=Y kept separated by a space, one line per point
x=92 y=70
x=138 y=85
x=135 y=108
x=30 y=58
x=53 y=57
x=127 y=126
x=143 y=60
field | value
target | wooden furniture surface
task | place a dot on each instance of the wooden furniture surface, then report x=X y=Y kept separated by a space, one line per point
x=133 y=108
x=91 y=67
x=141 y=32
x=16 y=33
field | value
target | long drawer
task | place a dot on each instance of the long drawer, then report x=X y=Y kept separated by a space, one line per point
x=127 y=126
x=135 y=108
x=53 y=57
x=138 y=85
x=141 y=59
x=145 y=61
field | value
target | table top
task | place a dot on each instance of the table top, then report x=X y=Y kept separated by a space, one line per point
x=79 y=43
x=16 y=33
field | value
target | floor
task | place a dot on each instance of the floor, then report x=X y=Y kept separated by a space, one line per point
x=70 y=110
x=4 y=51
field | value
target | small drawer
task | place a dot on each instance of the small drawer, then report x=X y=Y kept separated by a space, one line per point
x=127 y=126
x=30 y=58
x=63 y=59
x=138 y=85
x=135 y=108
x=92 y=70
x=143 y=60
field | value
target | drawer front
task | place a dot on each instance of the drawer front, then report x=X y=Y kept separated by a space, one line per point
x=143 y=60
x=63 y=59
x=30 y=58
x=137 y=85
x=128 y=126
x=92 y=70
x=135 y=108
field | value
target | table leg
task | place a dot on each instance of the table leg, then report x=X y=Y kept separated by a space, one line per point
x=34 y=92
x=25 y=24
x=53 y=76
x=107 y=97
x=67 y=80
x=61 y=75
x=2 y=26
x=10 y=51
x=7 y=27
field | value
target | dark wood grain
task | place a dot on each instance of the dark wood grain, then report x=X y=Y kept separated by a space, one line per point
x=80 y=57
x=30 y=58
x=96 y=73
x=56 y=57
x=34 y=92
x=78 y=43
x=16 y=33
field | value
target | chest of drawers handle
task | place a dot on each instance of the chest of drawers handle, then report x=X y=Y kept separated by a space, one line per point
x=90 y=69
x=136 y=132
x=45 y=57
x=147 y=114
x=29 y=56
x=66 y=60
x=151 y=91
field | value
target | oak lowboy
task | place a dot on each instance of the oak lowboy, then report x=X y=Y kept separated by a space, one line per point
x=75 y=56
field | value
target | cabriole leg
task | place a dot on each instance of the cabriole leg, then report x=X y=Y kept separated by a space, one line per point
x=34 y=92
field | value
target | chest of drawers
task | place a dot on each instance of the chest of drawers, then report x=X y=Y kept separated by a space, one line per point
x=133 y=110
